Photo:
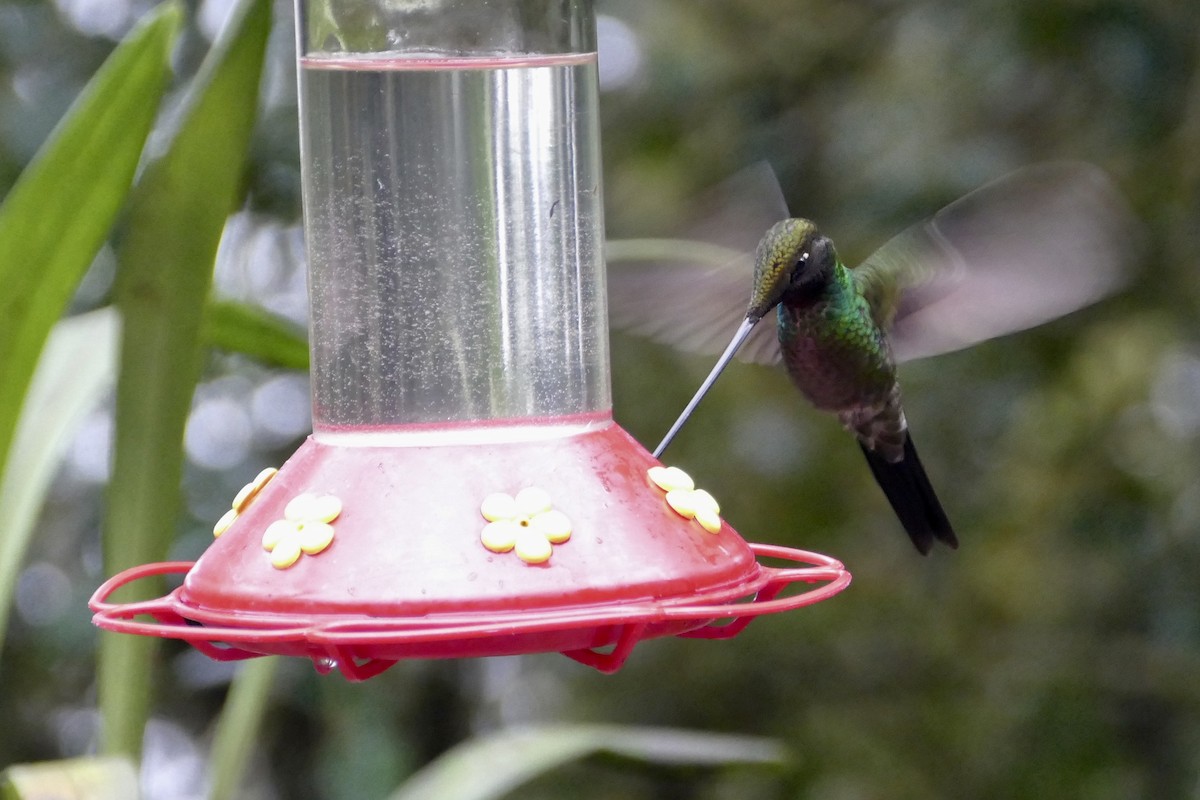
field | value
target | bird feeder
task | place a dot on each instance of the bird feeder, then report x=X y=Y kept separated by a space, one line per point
x=465 y=490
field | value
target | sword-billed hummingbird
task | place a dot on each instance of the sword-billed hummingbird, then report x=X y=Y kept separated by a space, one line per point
x=1022 y=250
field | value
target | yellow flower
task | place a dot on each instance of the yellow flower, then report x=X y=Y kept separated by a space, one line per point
x=243 y=499
x=685 y=498
x=525 y=524
x=304 y=528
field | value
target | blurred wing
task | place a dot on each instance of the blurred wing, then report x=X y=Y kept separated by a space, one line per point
x=1029 y=247
x=692 y=293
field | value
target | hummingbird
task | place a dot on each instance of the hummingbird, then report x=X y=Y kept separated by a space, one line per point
x=1024 y=249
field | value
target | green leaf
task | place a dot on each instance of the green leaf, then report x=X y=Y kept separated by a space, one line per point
x=490 y=767
x=164 y=271
x=96 y=778
x=238 y=726
x=242 y=328
x=74 y=372
x=61 y=209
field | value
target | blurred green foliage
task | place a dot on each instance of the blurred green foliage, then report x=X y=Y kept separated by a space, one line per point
x=1051 y=655
x=175 y=218
x=1055 y=655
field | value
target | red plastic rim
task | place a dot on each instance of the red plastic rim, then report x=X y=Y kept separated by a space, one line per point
x=362 y=645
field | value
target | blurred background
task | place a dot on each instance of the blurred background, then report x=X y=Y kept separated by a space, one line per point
x=1056 y=654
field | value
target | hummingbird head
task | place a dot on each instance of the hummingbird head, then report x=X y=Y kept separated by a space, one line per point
x=792 y=256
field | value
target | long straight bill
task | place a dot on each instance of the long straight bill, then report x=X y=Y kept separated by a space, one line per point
x=738 y=338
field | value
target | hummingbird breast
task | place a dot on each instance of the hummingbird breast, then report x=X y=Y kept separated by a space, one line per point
x=840 y=360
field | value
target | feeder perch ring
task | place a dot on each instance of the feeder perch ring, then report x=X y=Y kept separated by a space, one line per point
x=361 y=646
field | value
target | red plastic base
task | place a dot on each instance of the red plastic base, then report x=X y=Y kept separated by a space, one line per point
x=361 y=647
x=406 y=575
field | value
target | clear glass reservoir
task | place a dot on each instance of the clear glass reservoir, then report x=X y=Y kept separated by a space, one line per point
x=453 y=212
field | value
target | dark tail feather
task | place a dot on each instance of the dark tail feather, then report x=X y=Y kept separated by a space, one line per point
x=912 y=497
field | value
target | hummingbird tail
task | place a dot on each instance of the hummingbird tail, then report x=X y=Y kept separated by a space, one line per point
x=912 y=497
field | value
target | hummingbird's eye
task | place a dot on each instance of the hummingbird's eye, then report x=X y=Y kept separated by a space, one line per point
x=798 y=270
